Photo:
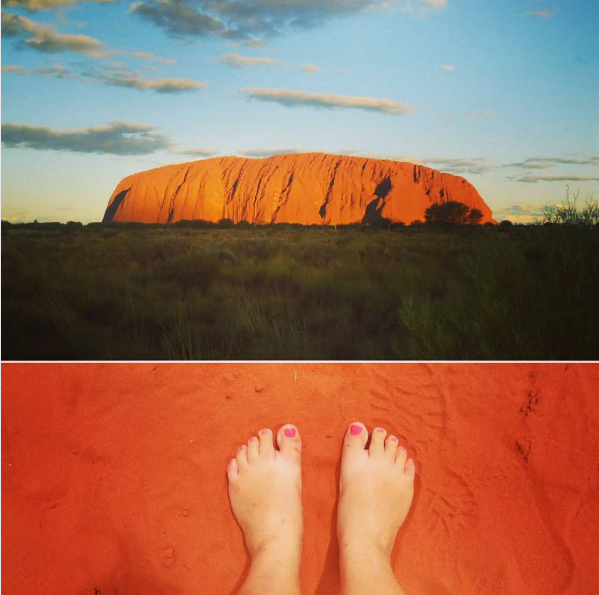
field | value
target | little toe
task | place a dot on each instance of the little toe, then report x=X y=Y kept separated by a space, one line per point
x=377 y=442
x=267 y=448
x=241 y=457
x=232 y=470
x=401 y=457
x=410 y=468
x=289 y=442
x=355 y=438
x=253 y=447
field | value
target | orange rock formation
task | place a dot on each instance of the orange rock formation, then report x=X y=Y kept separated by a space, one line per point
x=303 y=188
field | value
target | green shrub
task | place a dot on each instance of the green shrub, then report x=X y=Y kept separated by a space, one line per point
x=270 y=292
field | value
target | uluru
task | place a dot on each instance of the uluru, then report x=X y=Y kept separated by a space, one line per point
x=306 y=188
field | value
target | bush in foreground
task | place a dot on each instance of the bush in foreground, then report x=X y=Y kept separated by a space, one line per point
x=521 y=292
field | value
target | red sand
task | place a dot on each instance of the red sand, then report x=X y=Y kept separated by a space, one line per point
x=113 y=475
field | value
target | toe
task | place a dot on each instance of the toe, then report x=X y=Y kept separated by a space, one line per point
x=241 y=457
x=289 y=442
x=391 y=447
x=377 y=442
x=410 y=468
x=401 y=456
x=253 y=447
x=267 y=448
x=232 y=470
x=355 y=438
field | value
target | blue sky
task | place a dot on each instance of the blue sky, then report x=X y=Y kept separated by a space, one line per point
x=504 y=93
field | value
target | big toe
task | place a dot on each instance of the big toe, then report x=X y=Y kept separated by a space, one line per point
x=289 y=442
x=355 y=440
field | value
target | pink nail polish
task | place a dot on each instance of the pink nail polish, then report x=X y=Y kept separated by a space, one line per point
x=242 y=447
x=380 y=430
x=355 y=429
x=262 y=432
x=394 y=438
x=253 y=439
x=289 y=432
x=401 y=447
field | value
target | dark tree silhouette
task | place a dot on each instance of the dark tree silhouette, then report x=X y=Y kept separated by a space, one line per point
x=452 y=212
x=474 y=217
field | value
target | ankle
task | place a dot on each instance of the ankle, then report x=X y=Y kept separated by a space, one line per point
x=372 y=555
x=351 y=546
x=279 y=547
x=362 y=566
x=273 y=569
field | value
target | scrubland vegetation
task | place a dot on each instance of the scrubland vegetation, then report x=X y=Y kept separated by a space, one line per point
x=196 y=290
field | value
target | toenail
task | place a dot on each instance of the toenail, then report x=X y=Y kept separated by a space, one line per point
x=401 y=447
x=242 y=447
x=394 y=438
x=289 y=432
x=253 y=439
x=355 y=429
x=262 y=432
x=380 y=430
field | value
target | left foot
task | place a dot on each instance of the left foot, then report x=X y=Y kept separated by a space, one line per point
x=376 y=490
x=265 y=487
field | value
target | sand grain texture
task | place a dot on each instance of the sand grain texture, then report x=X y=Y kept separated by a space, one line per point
x=307 y=188
x=113 y=475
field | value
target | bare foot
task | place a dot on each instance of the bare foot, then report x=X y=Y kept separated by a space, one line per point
x=376 y=491
x=265 y=487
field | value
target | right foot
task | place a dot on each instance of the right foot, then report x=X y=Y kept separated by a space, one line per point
x=265 y=487
x=376 y=491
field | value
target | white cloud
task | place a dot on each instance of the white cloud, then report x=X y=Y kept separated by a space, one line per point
x=255 y=43
x=115 y=77
x=196 y=152
x=530 y=165
x=150 y=57
x=15 y=69
x=311 y=68
x=544 y=163
x=127 y=78
x=115 y=138
x=247 y=20
x=436 y=4
x=549 y=162
x=541 y=14
x=44 y=39
x=529 y=179
x=477 y=165
x=237 y=61
x=290 y=98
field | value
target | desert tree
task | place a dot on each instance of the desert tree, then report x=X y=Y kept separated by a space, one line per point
x=454 y=212
x=568 y=213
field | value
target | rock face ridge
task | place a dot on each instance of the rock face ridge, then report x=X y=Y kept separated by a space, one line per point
x=307 y=188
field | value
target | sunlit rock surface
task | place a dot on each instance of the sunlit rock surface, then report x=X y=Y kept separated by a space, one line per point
x=303 y=188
